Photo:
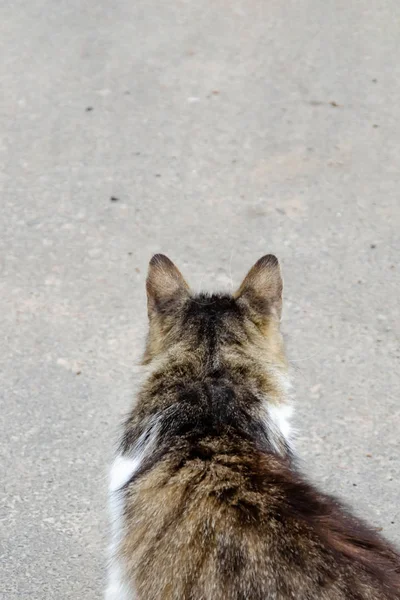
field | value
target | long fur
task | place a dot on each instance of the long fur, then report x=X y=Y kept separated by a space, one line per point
x=206 y=500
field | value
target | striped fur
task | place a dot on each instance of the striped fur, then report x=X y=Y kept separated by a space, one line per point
x=206 y=500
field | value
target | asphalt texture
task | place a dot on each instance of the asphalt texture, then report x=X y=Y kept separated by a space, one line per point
x=214 y=132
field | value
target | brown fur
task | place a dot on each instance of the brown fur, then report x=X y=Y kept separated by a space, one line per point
x=217 y=509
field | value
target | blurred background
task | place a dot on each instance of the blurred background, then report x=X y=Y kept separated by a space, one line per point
x=214 y=132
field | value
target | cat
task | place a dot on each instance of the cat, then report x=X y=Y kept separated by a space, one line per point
x=206 y=500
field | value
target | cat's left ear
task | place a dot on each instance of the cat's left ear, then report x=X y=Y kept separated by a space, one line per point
x=166 y=288
x=262 y=288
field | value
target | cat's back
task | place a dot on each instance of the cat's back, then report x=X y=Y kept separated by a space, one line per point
x=219 y=520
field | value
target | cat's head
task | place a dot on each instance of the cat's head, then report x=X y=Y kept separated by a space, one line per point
x=215 y=328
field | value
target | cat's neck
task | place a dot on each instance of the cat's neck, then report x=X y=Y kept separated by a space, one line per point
x=240 y=395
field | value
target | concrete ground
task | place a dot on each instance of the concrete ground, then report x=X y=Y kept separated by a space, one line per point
x=214 y=132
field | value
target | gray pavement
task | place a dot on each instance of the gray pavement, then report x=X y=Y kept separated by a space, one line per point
x=225 y=130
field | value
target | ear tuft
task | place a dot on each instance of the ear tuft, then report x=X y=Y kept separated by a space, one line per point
x=161 y=261
x=165 y=285
x=262 y=287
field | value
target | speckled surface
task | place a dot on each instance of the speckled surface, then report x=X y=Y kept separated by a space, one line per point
x=224 y=131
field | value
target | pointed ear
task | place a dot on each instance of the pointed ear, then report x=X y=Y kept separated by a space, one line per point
x=165 y=285
x=262 y=287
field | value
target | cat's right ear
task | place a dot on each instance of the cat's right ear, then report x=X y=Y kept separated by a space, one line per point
x=262 y=287
x=166 y=288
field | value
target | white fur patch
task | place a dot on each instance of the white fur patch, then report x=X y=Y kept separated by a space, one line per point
x=280 y=415
x=276 y=416
x=126 y=465
x=117 y=586
x=122 y=470
x=277 y=426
